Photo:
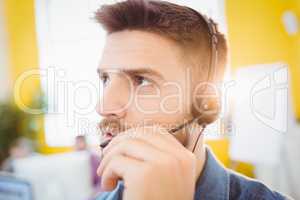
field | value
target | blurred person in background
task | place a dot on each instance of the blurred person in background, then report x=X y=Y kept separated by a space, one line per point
x=82 y=145
x=20 y=148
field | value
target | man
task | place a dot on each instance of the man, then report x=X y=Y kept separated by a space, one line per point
x=80 y=143
x=20 y=148
x=159 y=70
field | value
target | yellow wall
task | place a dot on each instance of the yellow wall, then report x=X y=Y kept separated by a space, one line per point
x=22 y=43
x=257 y=35
x=23 y=54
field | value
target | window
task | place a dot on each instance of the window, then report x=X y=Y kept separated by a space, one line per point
x=70 y=44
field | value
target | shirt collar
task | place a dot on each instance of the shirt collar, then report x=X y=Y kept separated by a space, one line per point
x=213 y=182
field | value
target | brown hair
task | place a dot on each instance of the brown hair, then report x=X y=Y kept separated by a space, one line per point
x=181 y=24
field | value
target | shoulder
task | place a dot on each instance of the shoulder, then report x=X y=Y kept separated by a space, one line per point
x=242 y=187
x=105 y=196
x=116 y=194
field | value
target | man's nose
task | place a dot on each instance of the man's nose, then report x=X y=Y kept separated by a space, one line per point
x=114 y=99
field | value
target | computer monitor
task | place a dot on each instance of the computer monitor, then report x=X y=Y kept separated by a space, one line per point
x=57 y=177
x=12 y=188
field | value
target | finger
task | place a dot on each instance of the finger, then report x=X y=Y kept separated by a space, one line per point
x=134 y=148
x=118 y=168
x=162 y=141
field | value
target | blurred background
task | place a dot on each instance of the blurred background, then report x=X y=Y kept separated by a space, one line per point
x=49 y=51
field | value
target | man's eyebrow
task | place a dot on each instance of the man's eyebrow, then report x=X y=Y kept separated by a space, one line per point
x=139 y=71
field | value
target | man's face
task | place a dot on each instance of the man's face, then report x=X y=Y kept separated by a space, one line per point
x=144 y=80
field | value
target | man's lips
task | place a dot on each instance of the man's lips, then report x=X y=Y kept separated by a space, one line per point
x=105 y=139
x=108 y=135
x=109 y=129
x=106 y=125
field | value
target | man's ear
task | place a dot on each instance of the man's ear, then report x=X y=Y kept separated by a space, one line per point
x=207 y=109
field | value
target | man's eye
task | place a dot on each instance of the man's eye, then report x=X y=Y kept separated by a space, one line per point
x=141 y=81
x=104 y=78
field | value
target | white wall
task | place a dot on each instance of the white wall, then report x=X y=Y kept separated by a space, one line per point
x=285 y=176
x=4 y=75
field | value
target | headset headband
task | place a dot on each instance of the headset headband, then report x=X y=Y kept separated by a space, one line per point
x=212 y=30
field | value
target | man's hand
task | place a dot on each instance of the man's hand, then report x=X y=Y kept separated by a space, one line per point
x=152 y=164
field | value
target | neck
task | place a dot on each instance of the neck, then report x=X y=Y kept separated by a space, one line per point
x=188 y=137
x=199 y=150
x=201 y=158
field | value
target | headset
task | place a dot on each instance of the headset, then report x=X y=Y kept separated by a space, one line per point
x=201 y=119
x=213 y=34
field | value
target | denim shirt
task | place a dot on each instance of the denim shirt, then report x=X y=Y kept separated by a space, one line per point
x=217 y=183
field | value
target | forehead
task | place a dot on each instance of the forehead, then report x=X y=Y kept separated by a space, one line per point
x=134 y=49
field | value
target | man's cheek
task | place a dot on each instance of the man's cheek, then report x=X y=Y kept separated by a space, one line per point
x=171 y=104
x=167 y=105
x=146 y=105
